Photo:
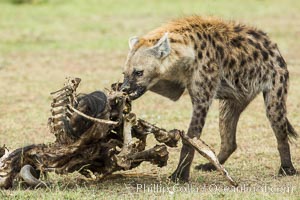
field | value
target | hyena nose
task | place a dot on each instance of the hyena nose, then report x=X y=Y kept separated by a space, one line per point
x=125 y=87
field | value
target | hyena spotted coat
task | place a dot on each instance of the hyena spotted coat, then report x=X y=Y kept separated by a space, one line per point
x=213 y=59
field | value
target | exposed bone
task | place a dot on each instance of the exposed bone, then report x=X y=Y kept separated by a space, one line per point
x=103 y=121
x=60 y=90
x=157 y=155
x=57 y=118
x=30 y=176
x=58 y=110
x=58 y=126
x=59 y=103
x=69 y=112
x=72 y=84
x=128 y=122
x=63 y=97
x=170 y=138
x=209 y=154
x=62 y=94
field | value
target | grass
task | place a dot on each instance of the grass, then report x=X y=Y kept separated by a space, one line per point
x=43 y=43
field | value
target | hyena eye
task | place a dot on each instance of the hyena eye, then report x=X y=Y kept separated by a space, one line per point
x=138 y=72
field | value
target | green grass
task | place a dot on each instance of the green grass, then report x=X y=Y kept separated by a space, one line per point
x=74 y=25
x=40 y=44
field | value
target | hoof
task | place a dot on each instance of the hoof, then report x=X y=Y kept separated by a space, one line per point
x=208 y=167
x=287 y=171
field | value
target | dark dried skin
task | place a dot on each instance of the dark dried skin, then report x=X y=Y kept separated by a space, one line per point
x=89 y=144
x=97 y=156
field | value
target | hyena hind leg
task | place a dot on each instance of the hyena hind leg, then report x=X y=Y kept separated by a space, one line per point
x=229 y=114
x=275 y=101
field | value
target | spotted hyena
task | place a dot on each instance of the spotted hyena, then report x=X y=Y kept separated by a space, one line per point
x=212 y=58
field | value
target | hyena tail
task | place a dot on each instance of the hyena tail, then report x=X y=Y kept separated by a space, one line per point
x=277 y=115
x=275 y=101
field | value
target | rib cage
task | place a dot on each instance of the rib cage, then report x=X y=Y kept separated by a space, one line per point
x=58 y=122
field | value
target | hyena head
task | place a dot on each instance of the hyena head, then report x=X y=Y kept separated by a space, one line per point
x=144 y=64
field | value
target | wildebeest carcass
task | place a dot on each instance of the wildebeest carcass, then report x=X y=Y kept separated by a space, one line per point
x=95 y=133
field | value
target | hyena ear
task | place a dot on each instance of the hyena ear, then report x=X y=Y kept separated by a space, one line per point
x=162 y=48
x=132 y=41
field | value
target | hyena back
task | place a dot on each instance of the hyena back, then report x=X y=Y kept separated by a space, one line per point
x=213 y=59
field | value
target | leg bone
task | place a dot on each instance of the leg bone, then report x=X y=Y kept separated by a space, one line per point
x=209 y=154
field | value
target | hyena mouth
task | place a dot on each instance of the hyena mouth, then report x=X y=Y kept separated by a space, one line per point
x=140 y=90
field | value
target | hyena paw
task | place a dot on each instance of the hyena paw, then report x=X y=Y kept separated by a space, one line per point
x=179 y=178
x=287 y=171
x=206 y=167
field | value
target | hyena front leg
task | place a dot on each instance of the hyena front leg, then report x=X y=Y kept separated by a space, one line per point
x=230 y=111
x=202 y=93
x=275 y=101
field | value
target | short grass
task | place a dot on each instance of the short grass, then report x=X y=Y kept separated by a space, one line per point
x=41 y=43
